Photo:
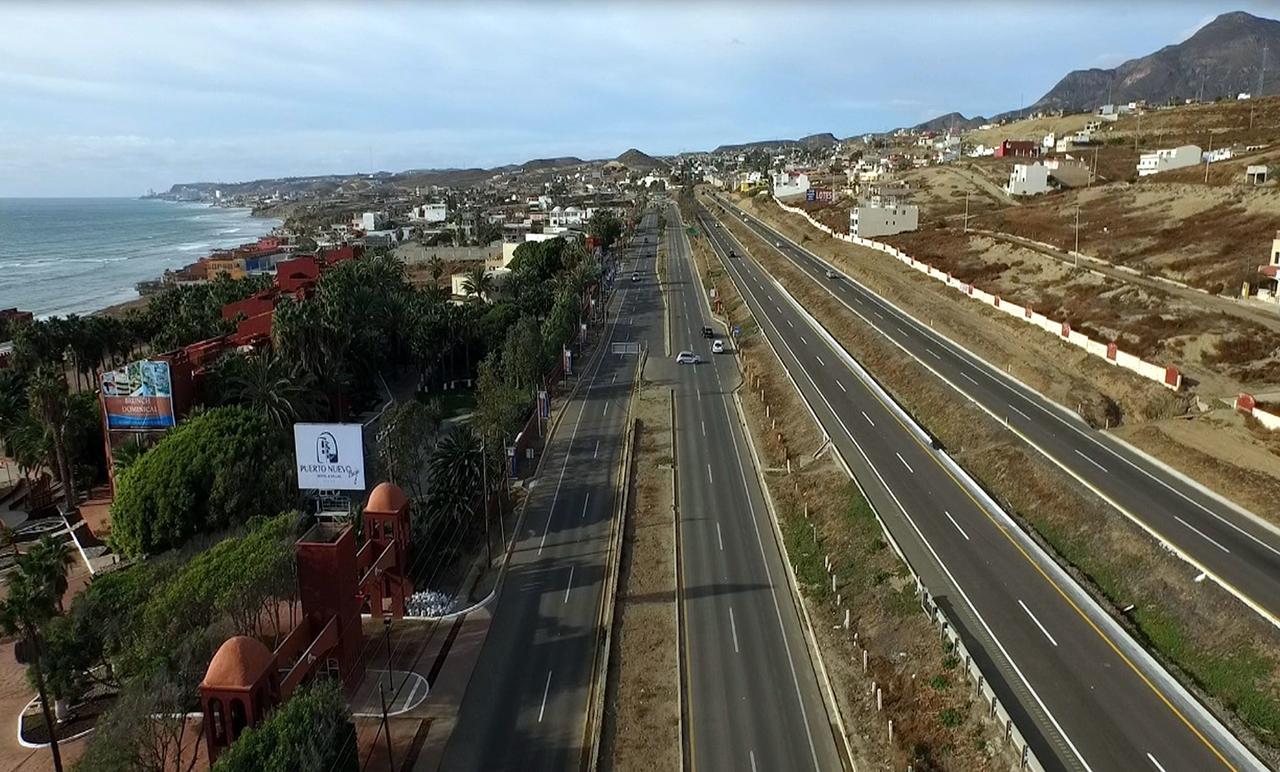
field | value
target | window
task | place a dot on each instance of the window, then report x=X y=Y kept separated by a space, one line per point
x=238 y=718
x=217 y=720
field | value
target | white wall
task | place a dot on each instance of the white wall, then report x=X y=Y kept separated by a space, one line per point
x=1028 y=180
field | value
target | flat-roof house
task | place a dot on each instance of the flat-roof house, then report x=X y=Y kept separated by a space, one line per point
x=1028 y=180
x=1167 y=159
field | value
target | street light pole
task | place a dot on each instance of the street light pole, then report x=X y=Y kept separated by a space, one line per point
x=966 y=212
x=386 y=626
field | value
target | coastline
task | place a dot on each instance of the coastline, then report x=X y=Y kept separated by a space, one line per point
x=117 y=291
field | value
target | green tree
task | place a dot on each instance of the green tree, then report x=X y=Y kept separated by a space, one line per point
x=479 y=283
x=50 y=404
x=32 y=601
x=404 y=442
x=524 y=357
x=311 y=730
x=605 y=227
x=215 y=470
x=267 y=384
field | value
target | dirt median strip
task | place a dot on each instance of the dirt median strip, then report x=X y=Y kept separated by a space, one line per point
x=827 y=527
x=1209 y=640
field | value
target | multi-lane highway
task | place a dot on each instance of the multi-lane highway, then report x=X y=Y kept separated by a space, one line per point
x=527 y=703
x=1234 y=547
x=752 y=698
x=1085 y=695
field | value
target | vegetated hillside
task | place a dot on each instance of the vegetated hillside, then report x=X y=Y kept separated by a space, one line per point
x=951 y=120
x=1224 y=58
x=639 y=161
x=539 y=164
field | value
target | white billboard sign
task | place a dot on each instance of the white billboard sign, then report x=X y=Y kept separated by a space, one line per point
x=329 y=456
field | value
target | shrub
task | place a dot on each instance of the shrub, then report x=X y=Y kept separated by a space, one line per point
x=216 y=470
x=312 y=730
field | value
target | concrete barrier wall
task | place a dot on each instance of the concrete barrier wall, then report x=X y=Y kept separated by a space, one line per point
x=1166 y=375
x=1245 y=403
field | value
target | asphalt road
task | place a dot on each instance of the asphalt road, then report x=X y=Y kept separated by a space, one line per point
x=1236 y=548
x=526 y=705
x=752 y=698
x=1082 y=692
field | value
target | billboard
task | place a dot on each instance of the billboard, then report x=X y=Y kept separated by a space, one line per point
x=329 y=456
x=138 y=396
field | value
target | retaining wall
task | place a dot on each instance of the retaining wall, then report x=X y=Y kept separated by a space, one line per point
x=1166 y=375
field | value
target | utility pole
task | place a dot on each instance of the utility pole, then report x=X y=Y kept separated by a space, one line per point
x=1207 y=156
x=1077 y=250
x=966 y=212
x=1089 y=184
x=1262 y=76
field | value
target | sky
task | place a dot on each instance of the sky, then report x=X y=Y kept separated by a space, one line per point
x=113 y=99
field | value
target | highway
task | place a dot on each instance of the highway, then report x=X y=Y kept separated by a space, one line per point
x=752 y=698
x=1083 y=693
x=1234 y=547
x=526 y=705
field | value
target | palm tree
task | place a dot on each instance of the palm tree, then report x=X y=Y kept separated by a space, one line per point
x=265 y=383
x=457 y=475
x=47 y=561
x=478 y=282
x=31 y=603
x=50 y=406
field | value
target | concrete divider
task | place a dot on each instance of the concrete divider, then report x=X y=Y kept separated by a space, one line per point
x=1165 y=375
x=1245 y=403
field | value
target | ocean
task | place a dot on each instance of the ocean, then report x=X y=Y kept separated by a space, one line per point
x=78 y=255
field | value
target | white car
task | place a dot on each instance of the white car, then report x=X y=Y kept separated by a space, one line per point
x=717 y=347
x=687 y=358
x=778 y=244
x=831 y=274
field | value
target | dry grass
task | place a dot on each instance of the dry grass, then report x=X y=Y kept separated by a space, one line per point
x=1218 y=646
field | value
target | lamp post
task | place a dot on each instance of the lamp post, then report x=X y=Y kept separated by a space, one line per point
x=1077 y=250
x=386 y=626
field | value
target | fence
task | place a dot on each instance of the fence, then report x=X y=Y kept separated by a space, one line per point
x=1167 y=375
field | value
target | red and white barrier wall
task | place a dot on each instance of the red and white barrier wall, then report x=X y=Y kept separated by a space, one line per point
x=1163 y=374
x=1245 y=403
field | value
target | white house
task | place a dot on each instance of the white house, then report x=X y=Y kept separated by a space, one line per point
x=869 y=221
x=430 y=213
x=1028 y=180
x=790 y=184
x=1050 y=141
x=1165 y=159
x=372 y=221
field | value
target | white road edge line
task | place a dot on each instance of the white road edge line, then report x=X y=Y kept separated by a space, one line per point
x=585 y=501
x=864 y=415
x=719 y=537
x=1037 y=621
x=842 y=388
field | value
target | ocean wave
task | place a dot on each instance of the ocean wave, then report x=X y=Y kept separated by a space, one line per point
x=193 y=246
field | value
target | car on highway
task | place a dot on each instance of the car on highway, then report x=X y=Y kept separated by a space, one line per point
x=717 y=346
x=731 y=254
x=687 y=358
x=778 y=244
x=635 y=276
x=707 y=332
x=831 y=274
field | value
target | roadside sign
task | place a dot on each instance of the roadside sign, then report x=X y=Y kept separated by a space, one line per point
x=544 y=404
x=737 y=330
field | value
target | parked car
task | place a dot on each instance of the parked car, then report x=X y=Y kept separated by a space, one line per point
x=687 y=358
x=717 y=346
x=707 y=332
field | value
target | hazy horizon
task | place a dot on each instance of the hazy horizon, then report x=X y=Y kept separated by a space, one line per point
x=240 y=92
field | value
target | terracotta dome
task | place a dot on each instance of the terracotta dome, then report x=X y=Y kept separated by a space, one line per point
x=387 y=497
x=239 y=664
